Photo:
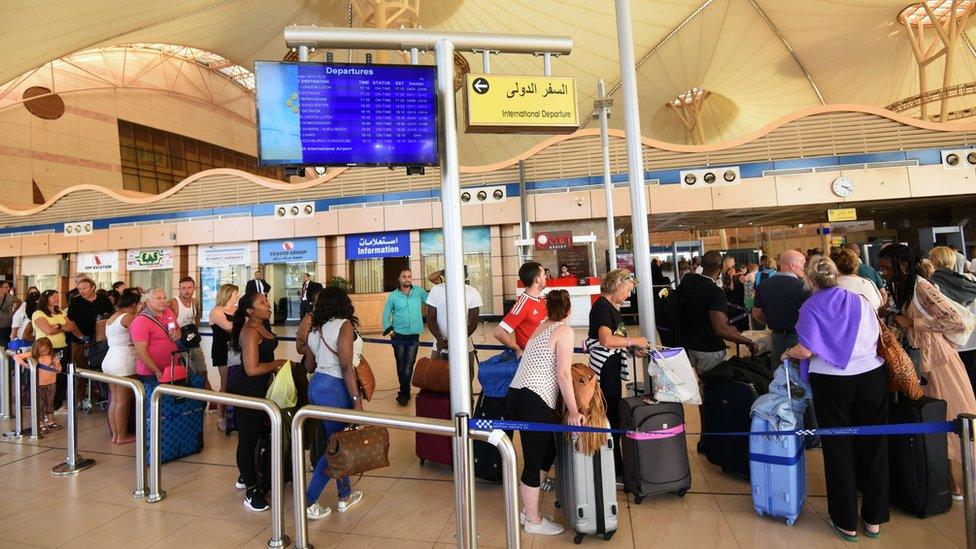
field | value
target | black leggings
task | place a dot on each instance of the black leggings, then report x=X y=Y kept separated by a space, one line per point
x=250 y=428
x=538 y=449
x=612 y=393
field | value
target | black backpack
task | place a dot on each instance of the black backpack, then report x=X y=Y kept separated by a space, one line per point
x=189 y=337
x=667 y=317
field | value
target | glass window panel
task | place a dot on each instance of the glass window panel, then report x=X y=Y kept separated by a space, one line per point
x=162 y=162
x=125 y=132
x=144 y=159
x=128 y=157
x=175 y=145
x=205 y=157
x=141 y=135
x=367 y=275
x=147 y=184
x=130 y=182
x=192 y=167
x=159 y=142
x=190 y=150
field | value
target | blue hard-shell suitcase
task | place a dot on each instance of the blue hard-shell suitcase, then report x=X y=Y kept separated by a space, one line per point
x=777 y=470
x=182 y=422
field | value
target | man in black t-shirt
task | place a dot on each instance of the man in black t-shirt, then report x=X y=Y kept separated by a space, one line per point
x=704 y=316
x=778 y=302
x=84 y=310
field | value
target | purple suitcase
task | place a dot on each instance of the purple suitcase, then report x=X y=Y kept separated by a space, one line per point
x=434 y=447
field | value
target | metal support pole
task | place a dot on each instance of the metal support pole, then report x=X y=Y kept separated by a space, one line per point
x=414 y=56
x=601 y=91
x=302 y=54
x=156 y=493
x=5 y=385
x=466 y=537
x=525 y=252
x=486 y=61
x=593 y=255
x=139 y=391
x=35 y=423
x=395 y=421
x=73 y=462
x=965 y=424
x=635 y=165
x=18 y=431
x=674 y=262
x=457 y=314
x=547 y=64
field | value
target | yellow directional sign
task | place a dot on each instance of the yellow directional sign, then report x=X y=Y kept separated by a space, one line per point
x=520 y=104
x=842 y=214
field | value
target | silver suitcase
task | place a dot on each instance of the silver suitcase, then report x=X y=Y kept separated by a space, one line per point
x=587 y=489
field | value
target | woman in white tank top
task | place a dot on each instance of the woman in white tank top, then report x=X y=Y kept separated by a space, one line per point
x=121 y=361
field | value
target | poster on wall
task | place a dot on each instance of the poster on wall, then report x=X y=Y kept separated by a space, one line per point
x=376 y=245
x=98 y=262
x=220 y=256
x=149 y=259
x=289 y=250
x=474 y=240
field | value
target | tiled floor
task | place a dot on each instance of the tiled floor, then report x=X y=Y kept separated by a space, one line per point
x=405 y=505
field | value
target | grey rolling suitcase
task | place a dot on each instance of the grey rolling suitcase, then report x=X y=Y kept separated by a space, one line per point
x=587 y=489
x=654 y=466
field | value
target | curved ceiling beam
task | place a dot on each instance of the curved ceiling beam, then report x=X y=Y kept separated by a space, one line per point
x=789 y=48
x=652 y=51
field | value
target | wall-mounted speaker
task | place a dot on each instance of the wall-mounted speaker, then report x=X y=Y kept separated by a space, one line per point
x=295 y=209
x=78 y=228
x=483 y=195
x=710 y=177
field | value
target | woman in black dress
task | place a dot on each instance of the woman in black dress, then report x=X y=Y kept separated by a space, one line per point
x=221 y=323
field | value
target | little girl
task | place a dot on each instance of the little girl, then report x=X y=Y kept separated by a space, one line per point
x=48 y=366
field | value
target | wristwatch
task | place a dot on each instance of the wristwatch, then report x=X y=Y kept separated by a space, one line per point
x=355 y=398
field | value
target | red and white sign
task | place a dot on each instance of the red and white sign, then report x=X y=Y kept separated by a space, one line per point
x=98 y=262
x=554 y=240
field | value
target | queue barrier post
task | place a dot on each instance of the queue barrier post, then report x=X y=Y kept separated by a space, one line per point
x=139 y=391
x=18 y=431
x=5 y=384
x=418 y=424
x=965 y=424
x=73 y=463
x=35 y=430
x=156 y=493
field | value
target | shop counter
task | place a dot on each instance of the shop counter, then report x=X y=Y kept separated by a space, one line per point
x=581 y=298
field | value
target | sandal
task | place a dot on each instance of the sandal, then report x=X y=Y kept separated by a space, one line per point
x=43 y=429
x=870 y=534
x=841 y=534
x=53 y=426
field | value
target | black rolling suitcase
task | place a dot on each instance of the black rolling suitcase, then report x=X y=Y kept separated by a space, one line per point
x=918 y=464
x=725 y=408
x=487 y=460
x=654 y=466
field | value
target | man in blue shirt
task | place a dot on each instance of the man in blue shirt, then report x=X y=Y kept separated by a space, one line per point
x=403 y=315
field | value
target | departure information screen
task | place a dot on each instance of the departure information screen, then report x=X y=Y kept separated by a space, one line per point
x=346 y=115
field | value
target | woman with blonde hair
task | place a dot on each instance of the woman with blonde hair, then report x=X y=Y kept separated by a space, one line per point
x=960 y=288
x=221 y=355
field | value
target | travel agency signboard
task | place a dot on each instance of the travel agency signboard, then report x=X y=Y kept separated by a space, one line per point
x=149 y=259
x=289 y=250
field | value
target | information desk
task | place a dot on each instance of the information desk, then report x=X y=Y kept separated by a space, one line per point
x=581 y=298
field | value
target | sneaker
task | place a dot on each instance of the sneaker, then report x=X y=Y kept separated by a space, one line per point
x=316 y=511
x=956 y=497
x=402 y=399
x=544 y=528
x=255 y=501
x=354 y=497
x=240 y=483
x=523 y=518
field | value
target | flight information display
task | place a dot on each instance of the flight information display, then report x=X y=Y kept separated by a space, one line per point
x=319 y=114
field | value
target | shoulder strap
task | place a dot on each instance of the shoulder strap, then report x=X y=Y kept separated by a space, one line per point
x=144 y=312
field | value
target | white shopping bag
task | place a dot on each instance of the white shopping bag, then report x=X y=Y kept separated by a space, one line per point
x=672 y=376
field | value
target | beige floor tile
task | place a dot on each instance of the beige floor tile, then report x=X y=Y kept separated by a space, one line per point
x=411 y=509
x=692 y=529
x=951 y=524
x=321 y=539
x=210 y=533
x=17 y=507
x=355 y=541
x=132 y=529
x=743 y=504
x=190 y=495
x=346 y=522
x=62 y=524
x=905 y=531
x=809 y=530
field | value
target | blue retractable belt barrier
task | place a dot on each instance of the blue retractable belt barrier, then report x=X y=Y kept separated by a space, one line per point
x=778 y=460
x=935 y=427
x=480 y=347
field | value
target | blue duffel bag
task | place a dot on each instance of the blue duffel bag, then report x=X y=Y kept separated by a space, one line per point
x=182 y=422
x=496 y=373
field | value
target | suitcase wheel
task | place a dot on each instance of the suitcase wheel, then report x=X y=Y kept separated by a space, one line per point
x=422 y=461
x=790 y=521
x=682 y=492
x=638 y=499
x=608 y=535
x=578 y=539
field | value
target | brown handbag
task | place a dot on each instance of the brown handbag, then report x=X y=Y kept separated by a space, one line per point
x=356 y=450
x=365 y=379
x=901 y=371
x=432 y=374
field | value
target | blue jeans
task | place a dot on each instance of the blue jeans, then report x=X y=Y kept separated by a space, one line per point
x=326 y=390
x=405 y=354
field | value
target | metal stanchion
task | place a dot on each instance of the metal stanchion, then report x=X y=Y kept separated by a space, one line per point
x=462 y=490
x=18 y=431
x=35 y=432
x=393 y=421
x=73 y=462
x=140 y=406
x=156 y=493
x=965 y=425
x=5 y=384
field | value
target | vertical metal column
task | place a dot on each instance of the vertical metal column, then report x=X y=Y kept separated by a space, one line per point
x=414 y=56
x=965 y=423
x=35 y=423
x=5 y=385
x=635 y=165
x=486 y=61
x=18 y=431
x=73 y=462
x=547 y=64
x=601 y=91
x=457 y=314
x=525 y=252
x=302 y=54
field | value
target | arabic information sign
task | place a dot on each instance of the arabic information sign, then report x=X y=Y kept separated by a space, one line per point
x=520 y=104
x=149 y=259
x=371 y=246
x=842 y=214
x=294 y=250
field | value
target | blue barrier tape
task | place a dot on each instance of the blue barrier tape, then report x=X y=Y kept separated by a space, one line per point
x=480 y=347
x=777 y=460
x=935 y=427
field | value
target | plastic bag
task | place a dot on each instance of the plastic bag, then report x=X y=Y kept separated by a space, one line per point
x=282 y=390
x=672 y=376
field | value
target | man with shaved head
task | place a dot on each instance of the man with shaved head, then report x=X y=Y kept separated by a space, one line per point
x=778 y=302
x=704 y=316
x=865 y=270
